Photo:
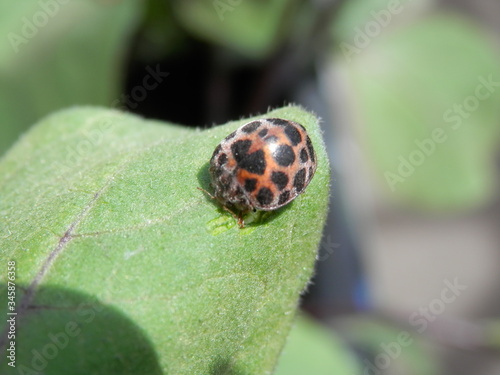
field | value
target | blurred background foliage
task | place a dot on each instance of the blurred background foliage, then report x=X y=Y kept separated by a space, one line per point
x=409 y=92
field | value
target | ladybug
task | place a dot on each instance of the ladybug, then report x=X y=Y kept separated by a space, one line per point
x=263 y=165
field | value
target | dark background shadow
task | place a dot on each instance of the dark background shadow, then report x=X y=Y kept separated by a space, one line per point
x=65 y=332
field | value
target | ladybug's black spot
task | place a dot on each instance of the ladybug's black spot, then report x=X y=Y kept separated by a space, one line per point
x=230 y=136
x=293 y=134
x=216 y=151
x=254 y=162
x=265 y=196
x=280 y=179
x=250 y=184
x=279 y=121
x=222 y=159
x=284 y=197
x=263 y=133
x=240 y=149
x=284 y=155
x=310 y=148
x=303 y=155
x=251 y=127
x=300 y=180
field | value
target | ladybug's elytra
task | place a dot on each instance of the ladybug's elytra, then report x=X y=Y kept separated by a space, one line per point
x=263 y=165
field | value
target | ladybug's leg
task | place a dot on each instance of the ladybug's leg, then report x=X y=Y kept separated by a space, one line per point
x=206 y=192
x=241 y=222
x=239 y=217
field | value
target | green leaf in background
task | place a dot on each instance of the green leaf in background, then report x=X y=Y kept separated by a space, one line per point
x=386 y=347
x=490 y=329
x=102 y=216
x=312 y=349
x=355 y=15
x=160 y=36
x=57 y=53
x=427 y=99
x=252 y=28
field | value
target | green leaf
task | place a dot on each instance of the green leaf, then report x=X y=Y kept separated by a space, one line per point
x=55 y=53
x=252 y=28
x=108 y=230
x=311 y=349
x=408 y=88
